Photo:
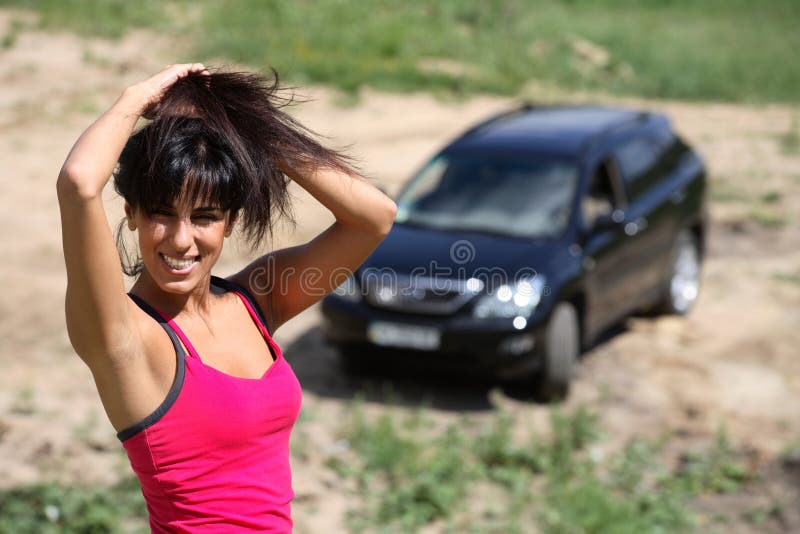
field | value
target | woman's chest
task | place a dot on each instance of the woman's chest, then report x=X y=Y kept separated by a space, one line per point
x=235 y=348
x=218 y=411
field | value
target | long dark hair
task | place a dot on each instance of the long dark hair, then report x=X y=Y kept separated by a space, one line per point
x=224 y=139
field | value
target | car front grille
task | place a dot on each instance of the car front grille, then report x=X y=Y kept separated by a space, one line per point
x=434 y=296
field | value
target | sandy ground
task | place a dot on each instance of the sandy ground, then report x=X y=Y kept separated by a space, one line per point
x=732 y=362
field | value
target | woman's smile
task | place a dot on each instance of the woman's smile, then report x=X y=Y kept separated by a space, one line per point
x=179 y=265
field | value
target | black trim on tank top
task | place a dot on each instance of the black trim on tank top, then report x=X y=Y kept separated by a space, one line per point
x=177 y=384
x=233 y=286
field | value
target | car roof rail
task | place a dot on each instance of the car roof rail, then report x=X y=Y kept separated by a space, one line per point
x=638 y=118
x=520 y=109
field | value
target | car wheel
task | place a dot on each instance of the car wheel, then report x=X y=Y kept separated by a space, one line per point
x=683 y=280
x=560 y=353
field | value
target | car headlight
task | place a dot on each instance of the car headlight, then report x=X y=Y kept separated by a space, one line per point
x=511 y=300
x=348 y=290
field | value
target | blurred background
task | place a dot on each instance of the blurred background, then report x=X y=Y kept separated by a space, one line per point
x=673 y=424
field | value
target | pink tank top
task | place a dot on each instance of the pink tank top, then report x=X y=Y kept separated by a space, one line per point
x=214 y=456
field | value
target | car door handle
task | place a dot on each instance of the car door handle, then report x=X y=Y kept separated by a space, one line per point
x=678 y=196
x=634 y=227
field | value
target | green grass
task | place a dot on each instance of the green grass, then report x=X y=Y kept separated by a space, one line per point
x=54 y=508
x=724 y=192
x=10 y=38
x=789 y=278
x=790 y=140
x=107 y=18
x=404 y=472
x=771 y=197
x=408 y=475
x=717 y=49
x=769 y=219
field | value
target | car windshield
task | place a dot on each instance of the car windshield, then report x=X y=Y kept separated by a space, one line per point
x=527 y=196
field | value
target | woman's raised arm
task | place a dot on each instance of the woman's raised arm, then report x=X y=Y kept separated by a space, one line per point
x=300 y=276
x=97 y=309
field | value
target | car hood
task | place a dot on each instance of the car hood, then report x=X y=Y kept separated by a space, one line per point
x=418 y=251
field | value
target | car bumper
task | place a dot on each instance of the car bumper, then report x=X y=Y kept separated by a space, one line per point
x=461 y=342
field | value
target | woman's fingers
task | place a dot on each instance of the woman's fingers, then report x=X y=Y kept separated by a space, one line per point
x=174 y=72
x=148 y=92
x=153 y=88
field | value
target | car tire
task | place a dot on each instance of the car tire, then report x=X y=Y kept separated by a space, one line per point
x=560 y=353
x=682 y=284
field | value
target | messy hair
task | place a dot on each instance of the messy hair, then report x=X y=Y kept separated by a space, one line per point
x=223 y=139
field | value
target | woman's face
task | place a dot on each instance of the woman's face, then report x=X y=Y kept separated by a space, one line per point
x=180 y=244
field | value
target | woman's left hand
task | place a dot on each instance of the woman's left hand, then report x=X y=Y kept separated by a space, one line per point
x=290 y=280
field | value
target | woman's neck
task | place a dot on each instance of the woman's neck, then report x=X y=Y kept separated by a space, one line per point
x=196 y=302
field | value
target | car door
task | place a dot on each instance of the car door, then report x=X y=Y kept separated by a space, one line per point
x=611 y=249
x=650 y=220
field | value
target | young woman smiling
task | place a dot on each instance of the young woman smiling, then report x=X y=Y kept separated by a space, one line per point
x=185 y=365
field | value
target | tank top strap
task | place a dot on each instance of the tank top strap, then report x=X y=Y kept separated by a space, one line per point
x=169 y=325
x=249 y=302
x=177 y=384
x=160 y=319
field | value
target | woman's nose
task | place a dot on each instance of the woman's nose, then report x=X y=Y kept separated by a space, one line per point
x=182 y=234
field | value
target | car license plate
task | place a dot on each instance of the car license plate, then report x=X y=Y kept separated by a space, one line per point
x=403 y=335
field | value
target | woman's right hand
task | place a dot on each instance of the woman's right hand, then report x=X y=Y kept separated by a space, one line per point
x=144 y=96
x=91 y=161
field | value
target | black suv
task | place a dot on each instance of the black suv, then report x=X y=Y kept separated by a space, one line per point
x=524 y=239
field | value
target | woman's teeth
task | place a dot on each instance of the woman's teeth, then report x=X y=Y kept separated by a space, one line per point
x=178 y=264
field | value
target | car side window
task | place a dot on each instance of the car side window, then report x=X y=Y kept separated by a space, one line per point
x=601 y=198
x=637 y=158
x=645 y=159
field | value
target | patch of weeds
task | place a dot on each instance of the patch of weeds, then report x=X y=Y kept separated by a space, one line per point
x=771 y=197
x=789 y=278
x=54 y=508
x=630 y=495
x=500 y=456
x=769 y=219
x=85 y=104
x=10 y=38
x=790 y=140
x=717 y=470
x=761 y=514
x=404 y=482
x=299 y=443
x=92 y=58
x=24 y=403
x=410 y=474
x=722 y=192
x=790 y=458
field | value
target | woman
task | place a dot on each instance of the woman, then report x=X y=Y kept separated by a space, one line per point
x=185 y=366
